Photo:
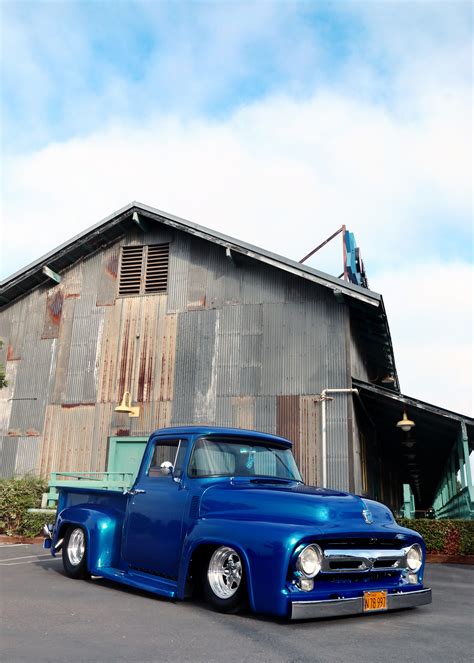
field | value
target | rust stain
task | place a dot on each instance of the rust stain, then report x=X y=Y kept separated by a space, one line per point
x=54 y=309
x=148 y=370
x=172 y=356
x=167 y=359
x=163 y=375
x=122 y=432
x=109 y=357
x=112 y=266
x=31 y=432
x=55 y=306
x=15 y=433
x=143 y=388
x=11 y=354
x=149 y=375
x=73 y=295
x=197 y=304
x=288 y=418
x=123 y=360
x=104 y=360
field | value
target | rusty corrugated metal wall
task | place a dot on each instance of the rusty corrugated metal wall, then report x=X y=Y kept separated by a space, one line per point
x=231 y=343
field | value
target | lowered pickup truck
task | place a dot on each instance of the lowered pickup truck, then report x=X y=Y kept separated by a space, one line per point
x=225 y=511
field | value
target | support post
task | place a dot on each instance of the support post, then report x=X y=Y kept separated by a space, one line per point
x=465 y=447
x=462 y=467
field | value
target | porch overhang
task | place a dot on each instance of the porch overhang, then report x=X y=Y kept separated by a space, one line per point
x=420 y=456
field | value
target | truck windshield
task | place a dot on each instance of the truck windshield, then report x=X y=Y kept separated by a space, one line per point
x=217 y=457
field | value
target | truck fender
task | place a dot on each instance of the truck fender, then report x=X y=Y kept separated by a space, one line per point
x=103 y=530
x=265 y=549
x=191 y=544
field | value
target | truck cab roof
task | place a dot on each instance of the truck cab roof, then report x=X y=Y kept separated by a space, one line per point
x=199 y=431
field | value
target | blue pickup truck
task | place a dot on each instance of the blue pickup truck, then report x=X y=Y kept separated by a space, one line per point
x=224 y=512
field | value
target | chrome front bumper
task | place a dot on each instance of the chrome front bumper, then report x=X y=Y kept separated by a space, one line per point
x=340 y=607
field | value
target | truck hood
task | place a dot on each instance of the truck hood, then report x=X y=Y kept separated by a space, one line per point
x=291 y=503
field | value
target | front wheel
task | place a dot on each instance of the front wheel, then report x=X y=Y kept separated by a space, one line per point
x=224 y=582
x=75 y=553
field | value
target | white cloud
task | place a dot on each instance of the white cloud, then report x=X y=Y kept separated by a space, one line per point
x=279 y=173
x=284 y=174
x=430 y=312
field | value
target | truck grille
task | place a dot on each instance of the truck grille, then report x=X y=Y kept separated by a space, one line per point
x=363 y=560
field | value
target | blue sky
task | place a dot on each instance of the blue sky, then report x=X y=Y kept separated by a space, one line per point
x=274 y=122
x=127 y=59
x=186 y=58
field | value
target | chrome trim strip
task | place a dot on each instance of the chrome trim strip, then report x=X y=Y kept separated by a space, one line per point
x=409 y=599
x=340 y=607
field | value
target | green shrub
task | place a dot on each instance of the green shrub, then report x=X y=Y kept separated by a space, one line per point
x=445 y=537
x=32 y=524
x=16 y=497
x=466 y=538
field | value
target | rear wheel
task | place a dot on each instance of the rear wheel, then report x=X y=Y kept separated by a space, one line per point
x=75 y=553
x=224 y=582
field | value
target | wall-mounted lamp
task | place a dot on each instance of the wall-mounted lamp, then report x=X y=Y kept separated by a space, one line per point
x=126 y=406
x=405 y=423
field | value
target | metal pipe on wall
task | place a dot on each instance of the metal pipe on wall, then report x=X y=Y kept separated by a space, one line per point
x=324 y=397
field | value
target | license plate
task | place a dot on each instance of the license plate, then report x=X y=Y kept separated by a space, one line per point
x=375 y=601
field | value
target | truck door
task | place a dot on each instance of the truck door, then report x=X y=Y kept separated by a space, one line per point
x=153 y=529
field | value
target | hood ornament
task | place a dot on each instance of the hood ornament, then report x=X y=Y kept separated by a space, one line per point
x=367 y=516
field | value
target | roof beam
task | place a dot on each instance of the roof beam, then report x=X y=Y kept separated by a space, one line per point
x=50 y=274
x=140 y=223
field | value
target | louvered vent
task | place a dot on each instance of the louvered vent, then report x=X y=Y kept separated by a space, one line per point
x=144 y=270
x=156 y=275
x=131 y=270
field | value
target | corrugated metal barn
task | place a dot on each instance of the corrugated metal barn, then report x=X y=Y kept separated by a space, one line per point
x=198 y=328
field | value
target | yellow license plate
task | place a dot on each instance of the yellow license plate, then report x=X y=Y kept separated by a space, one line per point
x=375 y=601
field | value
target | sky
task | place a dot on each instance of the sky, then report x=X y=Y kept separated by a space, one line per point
x=273 y=122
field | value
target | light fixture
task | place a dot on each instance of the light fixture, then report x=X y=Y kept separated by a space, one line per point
x=405 y=423
x=126 y=406
x=388 y=379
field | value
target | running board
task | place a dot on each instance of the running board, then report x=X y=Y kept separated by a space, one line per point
x=139 y=580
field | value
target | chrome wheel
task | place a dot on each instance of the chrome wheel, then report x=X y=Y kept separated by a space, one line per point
x=76 y=546
x=224 y=572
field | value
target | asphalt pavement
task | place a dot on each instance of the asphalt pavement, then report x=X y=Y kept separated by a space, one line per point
x=46 y=616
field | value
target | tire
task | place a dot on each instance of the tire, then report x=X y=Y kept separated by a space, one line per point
x=75 y=553
x=224 y=580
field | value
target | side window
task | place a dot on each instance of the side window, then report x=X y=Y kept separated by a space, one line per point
x=172 y=451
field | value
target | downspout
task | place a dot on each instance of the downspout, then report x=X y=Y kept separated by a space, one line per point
x=323 y=398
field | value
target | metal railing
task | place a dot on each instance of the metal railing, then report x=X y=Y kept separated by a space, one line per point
x=460 y=505
x=98 y=480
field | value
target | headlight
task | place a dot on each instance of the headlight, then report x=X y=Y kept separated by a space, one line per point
x=414 y=558
x=309 y=560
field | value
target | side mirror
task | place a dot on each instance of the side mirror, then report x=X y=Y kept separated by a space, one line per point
x=166 y=467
